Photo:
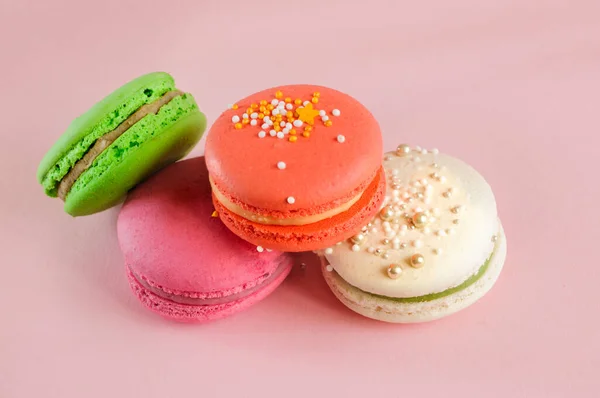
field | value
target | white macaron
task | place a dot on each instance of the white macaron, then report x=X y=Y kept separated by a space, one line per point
x=435 y=247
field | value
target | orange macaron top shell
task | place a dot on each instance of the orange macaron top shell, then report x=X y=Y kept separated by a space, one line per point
x=316 y=150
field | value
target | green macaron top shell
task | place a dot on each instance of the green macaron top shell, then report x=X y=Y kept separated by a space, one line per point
x=102 y=118
x=154 y=142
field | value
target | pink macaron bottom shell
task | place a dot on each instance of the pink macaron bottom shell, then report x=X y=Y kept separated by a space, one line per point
x=204 y=310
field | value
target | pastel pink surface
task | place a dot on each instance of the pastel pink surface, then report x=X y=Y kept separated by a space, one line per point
x=510 y=86
x=171 y=241
x=321 y=173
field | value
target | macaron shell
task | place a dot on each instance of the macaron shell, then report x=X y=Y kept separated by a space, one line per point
x=320 y=171
x=107 y=187
x=382 y=309
x=311 y=236
x=452 y=252
x=200 y=313
x=170 y=239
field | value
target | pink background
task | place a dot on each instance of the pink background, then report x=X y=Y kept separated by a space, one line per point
x=512 y=87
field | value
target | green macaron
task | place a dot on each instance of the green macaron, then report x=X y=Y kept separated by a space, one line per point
x=137 y=130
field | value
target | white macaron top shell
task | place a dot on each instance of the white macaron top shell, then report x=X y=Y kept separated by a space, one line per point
x=456 y=239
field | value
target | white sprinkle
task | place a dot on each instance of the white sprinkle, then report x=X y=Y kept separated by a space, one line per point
x=424 y=182
x=230 y=106
x=396 y=245
x=275 y=112
x=322 y=113
x=254 y=115
x=298 y=123
x=373 y=230
x=235 y=119
x=245 y=116
x=253 y=122
x=274 y=102
x=329 y=250
x=273 y=133
x=259 y=249
x=329 y=268
x=450 y=231
x=306 y=103
x=355 y=248
x=417 y=243
x=426 y=230
x=395 y=172
x=341 y=138
x=281 y=165
x=335 y=112
x=280 y=135
x=289 y=126
x=442 y=179
x=285 y=131
x=435 y=151
x=424 y=152
x=440 y=232
x=325 y=118
x=265 y=126
x=266 y=119
x=262 y=134
x=338 y=244
x=289 y=107
x=281 y=104
x=291 y=200
x=418 y=148
x=282 y=124
x=371 y=249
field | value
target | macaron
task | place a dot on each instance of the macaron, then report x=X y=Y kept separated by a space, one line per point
x=435 y=247
x=138 y=129
x=296 y=168
x=181 y=261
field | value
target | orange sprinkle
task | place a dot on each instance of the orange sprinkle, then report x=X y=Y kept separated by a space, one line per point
x=245 y=121
x=270 y=107
x=288 y=100
x=261 y=115
x=308 y=128
x=306 y=134
x=316 y=94
x=289 y=114
x=293 y=138
x=254 y=106
x=249 y=111
x=263 y=102
x=290 y=119
x=328 y=123
x=314 y=100
x=267 y=113
x=262 y=108
x=297 y=101
x=215 y=214
x=293 y=132
x=277 y=127
x=238 y=126
x=234 y=106
x=278 y=94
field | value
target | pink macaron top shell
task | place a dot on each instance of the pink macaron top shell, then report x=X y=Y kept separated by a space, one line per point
x=171 y=241
x=321 y=171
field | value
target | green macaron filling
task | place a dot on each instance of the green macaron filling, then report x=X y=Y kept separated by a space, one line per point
x=103 y=118
x=142 y=131
x=434 y=296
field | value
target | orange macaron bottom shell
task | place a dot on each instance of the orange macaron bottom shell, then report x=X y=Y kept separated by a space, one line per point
x=315 y=236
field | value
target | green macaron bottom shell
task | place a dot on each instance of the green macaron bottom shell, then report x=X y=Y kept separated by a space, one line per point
x=154 y=142
x=434 y=296
x=101 y=119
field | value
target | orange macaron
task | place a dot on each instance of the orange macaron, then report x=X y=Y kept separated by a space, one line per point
x=296 y=168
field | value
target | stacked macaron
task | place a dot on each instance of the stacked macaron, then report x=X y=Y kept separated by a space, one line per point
x=293 y=168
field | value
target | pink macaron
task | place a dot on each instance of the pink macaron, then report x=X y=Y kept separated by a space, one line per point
x=181 y=260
